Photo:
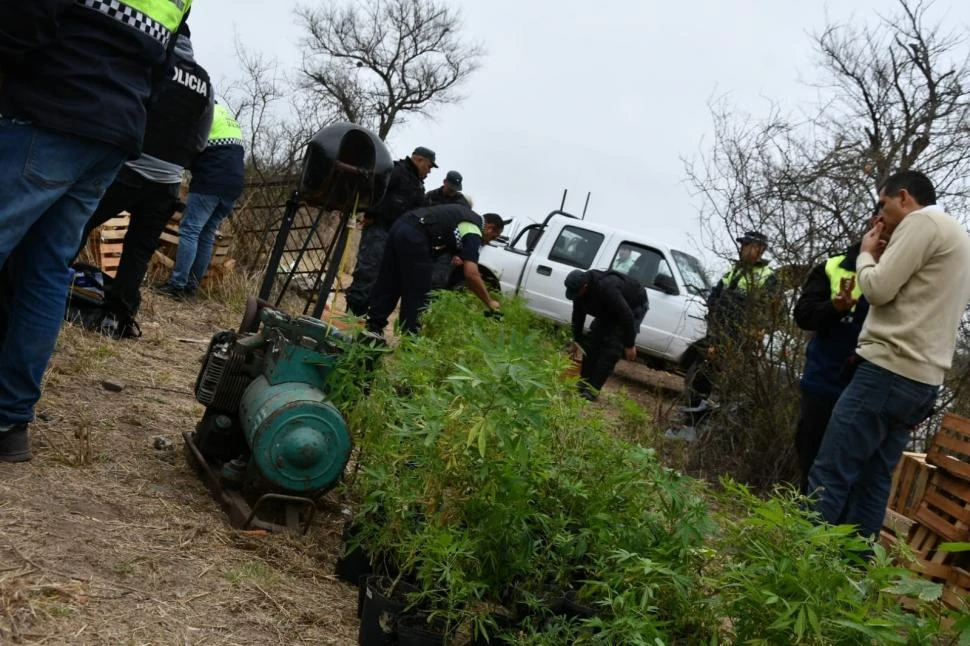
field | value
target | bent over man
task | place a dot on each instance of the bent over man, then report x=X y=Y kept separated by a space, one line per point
x=617 y=304
x=415 y=240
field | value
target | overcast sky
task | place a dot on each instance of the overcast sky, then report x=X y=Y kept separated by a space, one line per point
x=604 y=97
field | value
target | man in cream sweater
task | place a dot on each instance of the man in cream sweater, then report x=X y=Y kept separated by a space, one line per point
x=918 y=287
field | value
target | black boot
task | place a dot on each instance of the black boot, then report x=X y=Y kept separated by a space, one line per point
x=14 y=444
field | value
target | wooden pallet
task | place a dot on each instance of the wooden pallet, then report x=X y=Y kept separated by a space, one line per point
x=930 y=562
x=956 y=590
x=220 y=265
x=909 y=482
x=950 y=447
x=945 y=507
x=110 y=238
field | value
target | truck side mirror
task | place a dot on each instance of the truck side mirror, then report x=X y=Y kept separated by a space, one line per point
x=666 y=284
x=532 y=238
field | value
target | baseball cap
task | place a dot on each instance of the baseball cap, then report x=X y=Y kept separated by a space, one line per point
x=574 y=282
x=753 y=236
x=427 y=153
x=453 y=179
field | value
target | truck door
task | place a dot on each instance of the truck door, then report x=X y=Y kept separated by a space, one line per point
x=668 y=307
x=574 y=248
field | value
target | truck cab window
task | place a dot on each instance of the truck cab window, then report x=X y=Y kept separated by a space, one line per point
x=692 y=271
x=576 y=247
x=642 y=263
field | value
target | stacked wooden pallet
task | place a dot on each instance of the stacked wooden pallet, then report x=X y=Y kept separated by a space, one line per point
x=103 y=247
x=105 y=244
x=220 y=266
x=939 y=483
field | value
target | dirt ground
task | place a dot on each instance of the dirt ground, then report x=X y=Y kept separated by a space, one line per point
x=106 y=539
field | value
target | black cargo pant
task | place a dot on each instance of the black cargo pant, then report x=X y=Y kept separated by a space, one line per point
x=813 y=416
x=603 y=348
x=405 y=275
x=151 y=205
x=373 y=239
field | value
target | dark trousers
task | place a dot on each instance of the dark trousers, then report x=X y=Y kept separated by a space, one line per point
x=405 y=275
x=150 y=205
x=370 y=254
x=699 y=380
x=441 y=275
x=813 y=416
x=603 y=348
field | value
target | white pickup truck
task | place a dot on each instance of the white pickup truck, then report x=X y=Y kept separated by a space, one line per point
x=536 y=261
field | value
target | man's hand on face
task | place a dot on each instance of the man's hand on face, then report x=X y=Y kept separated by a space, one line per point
x=873 y=242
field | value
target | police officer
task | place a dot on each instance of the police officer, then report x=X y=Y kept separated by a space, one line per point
x=617 y=303
x=405 y=191
x=75 y=80
x=832 y=307
x=217 y=182
x=729 y=307
x=415 y=239
x=148 y=187
x=448 y=193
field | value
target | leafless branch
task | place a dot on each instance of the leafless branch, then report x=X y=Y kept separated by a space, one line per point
x=378 y=61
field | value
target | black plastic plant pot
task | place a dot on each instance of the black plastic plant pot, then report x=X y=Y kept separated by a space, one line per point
x=415 y=630
x=573 y=608
x=354 y=565
x=361 y=595
x=384 y=600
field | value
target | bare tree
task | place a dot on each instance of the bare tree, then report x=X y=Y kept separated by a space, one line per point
x=277 y=121
x=377 y=61
x=893 y=95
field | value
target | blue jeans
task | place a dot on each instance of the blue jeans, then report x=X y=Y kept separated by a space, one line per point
x=197 y=234
x=866 y=435
x=51 y=184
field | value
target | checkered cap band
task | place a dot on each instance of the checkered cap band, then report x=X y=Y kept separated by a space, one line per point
x=131 y=17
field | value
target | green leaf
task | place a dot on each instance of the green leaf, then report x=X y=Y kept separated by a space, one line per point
x=481 y=440
x=954 y=547
x=910 y=586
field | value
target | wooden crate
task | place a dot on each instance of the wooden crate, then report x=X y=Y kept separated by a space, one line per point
x=888 y=539
x=896 y=524
x=930 y=561
x=219 y=266
x=909 y=482
x=110 y=239
x=956 y=590
x=950 y=447
x=945 y=507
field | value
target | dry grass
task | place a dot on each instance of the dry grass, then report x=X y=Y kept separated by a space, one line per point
x=106 y=540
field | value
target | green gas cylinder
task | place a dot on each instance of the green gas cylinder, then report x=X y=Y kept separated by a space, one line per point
x=298 y=439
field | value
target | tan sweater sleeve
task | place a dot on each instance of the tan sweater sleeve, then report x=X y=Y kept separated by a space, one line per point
x=910 y=247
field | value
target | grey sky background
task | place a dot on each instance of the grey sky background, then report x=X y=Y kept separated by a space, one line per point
x=603 y=97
